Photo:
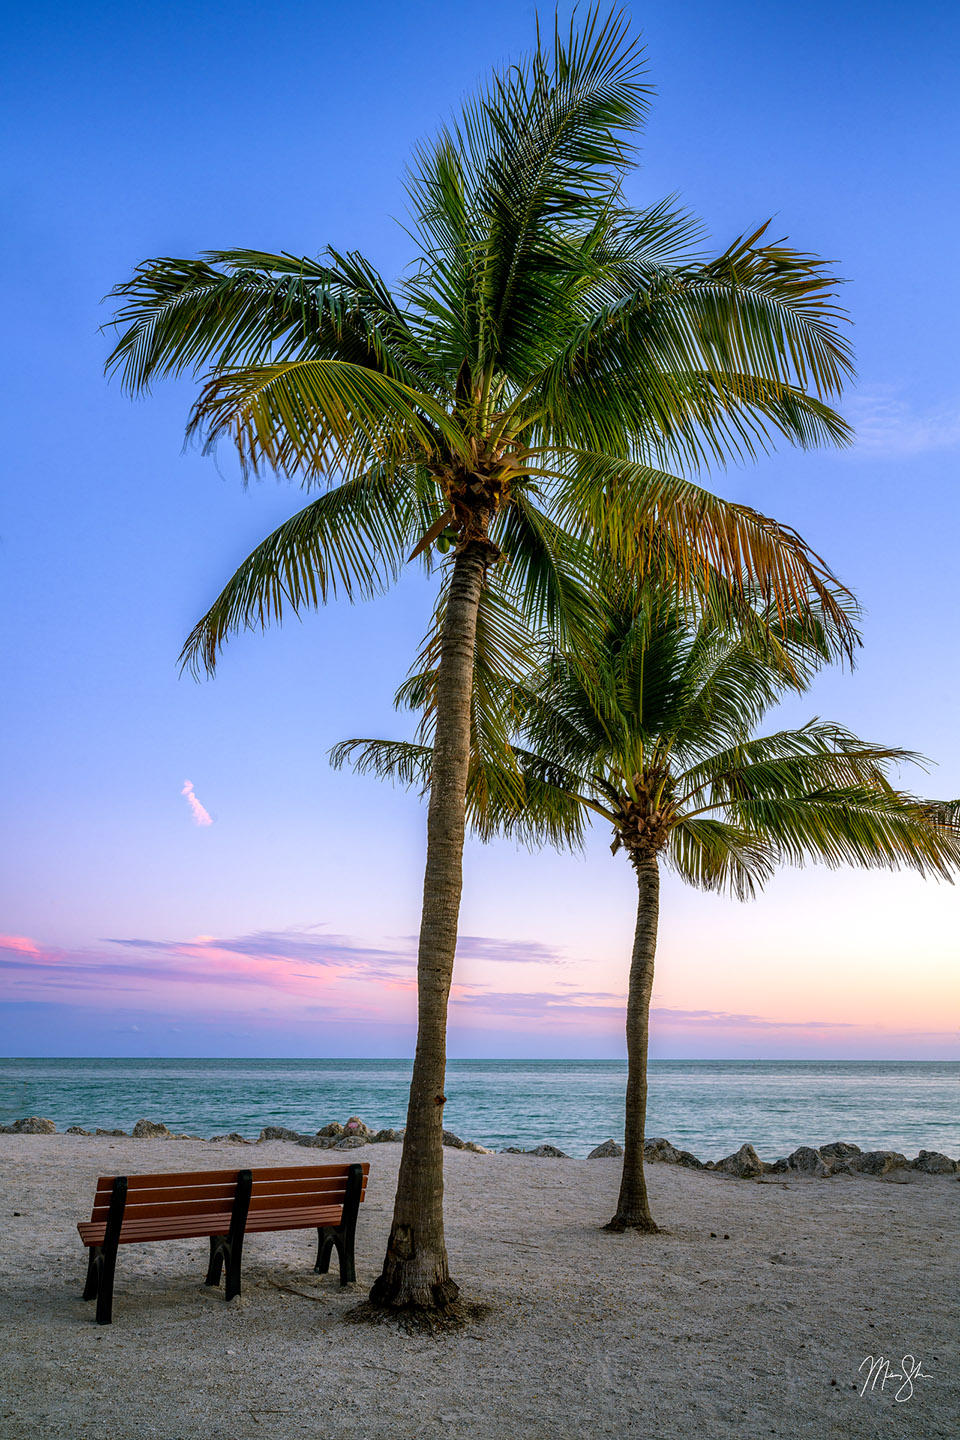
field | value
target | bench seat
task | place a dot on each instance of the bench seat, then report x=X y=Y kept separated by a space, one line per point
x=222 y=1205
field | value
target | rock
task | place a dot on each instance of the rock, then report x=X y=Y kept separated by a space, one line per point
x=111 y=1132
x=477 y=1149
x=512 y=1150
x=660 y=1150
x=233 y=1137
x=333 y=1131
x=839 y=1150
x=151 y=1130
x=609 y=1150
x=549 y=1152
x=34 y=1125
x=351 y=1142
x=804 y=1159
x=355 y=1126
x=453 y=1141
x=278 y=1132
x=881 y=1162
x=779 y=1167
x=387 y=1137
x=684 y=1157
x=745 y=1165
x=821 y=1170
x=316 y=1142
x=77 y=1130
x=933 y=1163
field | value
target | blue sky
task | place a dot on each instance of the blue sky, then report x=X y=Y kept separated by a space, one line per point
x=131 y=132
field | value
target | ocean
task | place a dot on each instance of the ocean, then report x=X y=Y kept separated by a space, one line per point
x=708 y=1106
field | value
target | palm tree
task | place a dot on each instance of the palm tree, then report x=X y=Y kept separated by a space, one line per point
x=652 y=731
x=525 y=390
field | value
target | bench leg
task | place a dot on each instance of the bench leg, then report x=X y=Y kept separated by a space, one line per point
x=233 y=1258
x=108 y=1268
x=93 y=1273
x=215 y=1268
x=342 y=1242
x=324 y=1250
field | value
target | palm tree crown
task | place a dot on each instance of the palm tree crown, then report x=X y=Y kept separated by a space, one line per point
x=549 y=353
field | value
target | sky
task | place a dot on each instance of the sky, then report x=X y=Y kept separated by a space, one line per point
x=184 y=874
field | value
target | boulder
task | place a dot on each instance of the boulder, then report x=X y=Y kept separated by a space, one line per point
x=933 y=1163
x=477 y=1149
x=661 y=1150
x=804 y=1159
x=512 y=1150
x=549 y=1152
x=387 y=1137
x=881 y=1162
x=351 y=1142
x=77 y=1130
x=151 y=1130
x=684 y=1157
x=745 y=1165
x=316 y=1142
x=34 y=1125
x=839 y=1150
x=355 y=1126
x=233 y=1137
x=453 y=1141
x=609 y=1150
x=779 y=1167
x=278 y=1132
x=111 y=1132
x=333 y=1131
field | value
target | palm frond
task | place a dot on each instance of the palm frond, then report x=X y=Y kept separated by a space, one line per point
x=715 y=855
x=352 y=539
x=319 y=416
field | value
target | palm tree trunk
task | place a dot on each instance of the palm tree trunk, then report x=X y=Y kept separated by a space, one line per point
x=415 y=1273
x=633 y=1208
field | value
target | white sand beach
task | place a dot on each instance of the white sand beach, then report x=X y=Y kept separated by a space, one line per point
x=677 y=1335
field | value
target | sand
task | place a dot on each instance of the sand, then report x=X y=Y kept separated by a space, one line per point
x=587 y=1333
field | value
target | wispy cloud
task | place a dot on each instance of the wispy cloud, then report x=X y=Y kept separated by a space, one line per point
x=200 y=815
x=887 y=426
x=529 y=952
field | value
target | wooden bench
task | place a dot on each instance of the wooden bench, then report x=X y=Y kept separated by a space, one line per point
x=224 y=1205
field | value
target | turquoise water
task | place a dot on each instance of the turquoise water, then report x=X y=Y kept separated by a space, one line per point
x=708 y=1106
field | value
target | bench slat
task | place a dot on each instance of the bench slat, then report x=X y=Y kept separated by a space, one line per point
x=265 y=1194
x=182 y=1178
x=193 y=1227
x=330 y=1195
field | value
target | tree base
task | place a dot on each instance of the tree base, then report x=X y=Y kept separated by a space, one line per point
x=644 y=1224
x=417 y=1319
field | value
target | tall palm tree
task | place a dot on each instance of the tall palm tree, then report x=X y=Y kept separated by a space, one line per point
x=528 y=386
x=652 y=731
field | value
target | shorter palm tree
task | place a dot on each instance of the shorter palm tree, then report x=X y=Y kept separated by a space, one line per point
x=652 y=730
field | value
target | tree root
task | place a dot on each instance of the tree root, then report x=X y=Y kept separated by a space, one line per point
x=644 y=1226
x=417 y=1319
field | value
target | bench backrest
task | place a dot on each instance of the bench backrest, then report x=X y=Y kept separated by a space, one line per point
x=211 y=1192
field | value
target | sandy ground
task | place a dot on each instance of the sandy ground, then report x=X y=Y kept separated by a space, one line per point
x=677 y=1335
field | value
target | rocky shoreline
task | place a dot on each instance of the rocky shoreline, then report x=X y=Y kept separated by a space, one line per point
x=840 y=1157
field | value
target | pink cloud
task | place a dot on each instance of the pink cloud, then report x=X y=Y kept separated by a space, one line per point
x=18 y=942
x=200 y=815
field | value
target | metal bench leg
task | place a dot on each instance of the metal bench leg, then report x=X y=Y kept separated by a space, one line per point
x=341 y=1236
x=215 y=1268
x=108 y=1269
x=232 y=1247
x=102 y=1265
x=93 y=1272
x=325 y=1243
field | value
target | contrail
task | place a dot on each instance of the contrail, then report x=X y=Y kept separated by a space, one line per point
x=200 y=816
